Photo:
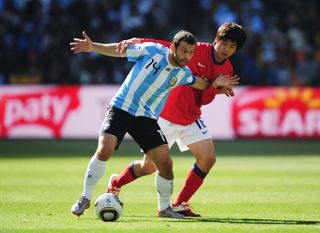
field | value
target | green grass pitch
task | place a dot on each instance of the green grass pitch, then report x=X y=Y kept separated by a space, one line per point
x=254 y=187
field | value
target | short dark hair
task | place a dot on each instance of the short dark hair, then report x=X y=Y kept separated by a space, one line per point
x=233 y=32
x=183 y=35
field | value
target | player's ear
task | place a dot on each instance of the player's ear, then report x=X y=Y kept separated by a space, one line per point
x=173 y=48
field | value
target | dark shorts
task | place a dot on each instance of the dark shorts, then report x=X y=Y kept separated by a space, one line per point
x=145 y=131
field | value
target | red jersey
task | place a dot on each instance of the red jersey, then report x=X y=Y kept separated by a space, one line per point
x=183 y=105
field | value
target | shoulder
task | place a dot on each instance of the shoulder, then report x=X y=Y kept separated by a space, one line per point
x=151 y=46
x=204 y=45
x=146 y=49
x=203 y=50
x=187 y=70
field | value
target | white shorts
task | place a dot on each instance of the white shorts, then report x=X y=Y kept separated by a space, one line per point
x=184 y=135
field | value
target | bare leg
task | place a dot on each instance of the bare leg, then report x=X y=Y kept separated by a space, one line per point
x=204 y=153
x=161 y=158
x=144 y=167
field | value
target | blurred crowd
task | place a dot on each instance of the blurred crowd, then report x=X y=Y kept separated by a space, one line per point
x=283 y=46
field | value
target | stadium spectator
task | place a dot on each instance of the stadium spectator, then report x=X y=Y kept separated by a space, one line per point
x=35 y=33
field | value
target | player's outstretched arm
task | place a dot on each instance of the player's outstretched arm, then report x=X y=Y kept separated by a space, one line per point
x=225 y=81
x=123 y=45
x=87 y=45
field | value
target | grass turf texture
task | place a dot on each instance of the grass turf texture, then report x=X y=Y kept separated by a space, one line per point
x=40 y=180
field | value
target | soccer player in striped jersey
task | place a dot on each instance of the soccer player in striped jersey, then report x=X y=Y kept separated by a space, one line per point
x=136 y=107
x=182 y=123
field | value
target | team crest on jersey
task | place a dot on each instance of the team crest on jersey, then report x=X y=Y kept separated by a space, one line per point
x=173 y=81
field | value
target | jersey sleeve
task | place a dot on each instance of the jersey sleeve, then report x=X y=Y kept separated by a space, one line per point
x=163 y=42
x=188 y=78
x=137 y=51
x=208 y=95
x=191 y=80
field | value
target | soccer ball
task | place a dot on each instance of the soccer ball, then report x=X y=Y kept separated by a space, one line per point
x=108 y=207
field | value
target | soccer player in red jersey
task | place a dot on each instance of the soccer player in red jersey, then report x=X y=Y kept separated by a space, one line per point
x=181 y=117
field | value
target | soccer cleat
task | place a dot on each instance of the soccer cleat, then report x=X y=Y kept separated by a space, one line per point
x=80 y=206
x=185 y=209
x=169 y=213
x=112 y=189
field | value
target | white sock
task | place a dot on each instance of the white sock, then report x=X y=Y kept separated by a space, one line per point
x=95 y=170
x=164 y=188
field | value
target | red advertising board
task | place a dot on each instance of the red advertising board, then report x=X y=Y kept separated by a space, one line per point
x=53 y=111
x=43 y=108
x=77 y=112
x=277 y=113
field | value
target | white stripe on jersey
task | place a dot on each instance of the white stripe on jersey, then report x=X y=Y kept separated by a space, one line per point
x=137 y=83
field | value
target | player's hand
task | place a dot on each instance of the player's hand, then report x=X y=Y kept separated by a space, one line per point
x=123 y=45
x=226 y=81
x=228 y=91
x=81 y=45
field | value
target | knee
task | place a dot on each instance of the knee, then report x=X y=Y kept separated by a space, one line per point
x=210 y=160
x=104 y=152
x=206 y=162
x=164 y=167
x=166 y=163
x=162 y=160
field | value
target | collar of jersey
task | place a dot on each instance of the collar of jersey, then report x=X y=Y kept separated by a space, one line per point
x=214 y=59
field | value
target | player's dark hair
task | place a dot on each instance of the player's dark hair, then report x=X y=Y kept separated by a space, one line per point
x=183 y=36
x=233 y=32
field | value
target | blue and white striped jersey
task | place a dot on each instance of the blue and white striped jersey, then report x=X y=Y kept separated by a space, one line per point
x=149 y=82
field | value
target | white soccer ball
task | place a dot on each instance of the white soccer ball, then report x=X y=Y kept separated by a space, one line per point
x=108 y=207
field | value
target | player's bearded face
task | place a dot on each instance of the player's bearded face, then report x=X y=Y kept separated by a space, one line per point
x=183 y=53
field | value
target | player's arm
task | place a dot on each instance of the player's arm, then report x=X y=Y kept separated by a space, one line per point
x=225 y=81
x=228 y=91
x=200 y=83
x=221 y=85
x=221 y=81
x=87 y=45
x=208 y=95
x=123 y=45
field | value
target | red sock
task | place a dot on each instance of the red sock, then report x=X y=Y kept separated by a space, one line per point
x=192 y=183
x=125 y=177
